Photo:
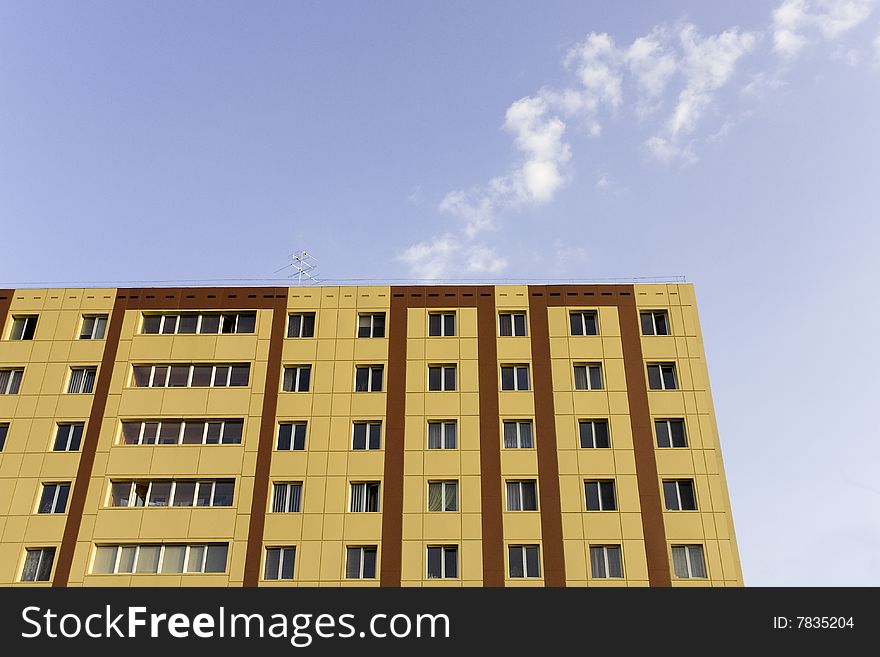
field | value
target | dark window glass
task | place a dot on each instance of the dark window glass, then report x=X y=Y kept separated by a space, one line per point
x=434 y=378
x=179 y=376
x=361 y=379
x=519 y=325
x=660 y=321
x=201 y=376
x=661 y=428
x=193 y=432
x=533 y=567
x=184 y=493
x=239 y=375
x=379 y=329
x=169 y=434
x=360 y=436
x=449 y=378
x=221 y=376
x=369 y=563
x=606 y=490
x=507 y=378
x=214 y=431
x=160 y=376
x=505 y=323
x=435 y=563
x=141 y=376
x=668 y=372
x=151 y=323
x=210 y=324
x=151 y=430
x=232 y=430
x=515 y=557
x=227 y=324
x=169 y=326
x=160 y=493
x=435 y=328
x=647 y=324
x=678 y=435
x=247 y=322
x=223 y=491
x=654 y=380
x=188 y=324
x=522 y=378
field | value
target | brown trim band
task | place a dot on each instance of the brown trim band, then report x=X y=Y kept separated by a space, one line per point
x=545 y=429
x=260 y=493
x=623 y=297
x=239 y=298
x=403 y=298
x=5 y=304
x=491 y=515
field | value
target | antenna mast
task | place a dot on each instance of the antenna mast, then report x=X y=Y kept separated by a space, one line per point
x=303 y=266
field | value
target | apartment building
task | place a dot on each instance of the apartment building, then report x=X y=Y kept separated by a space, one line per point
x=503 y=435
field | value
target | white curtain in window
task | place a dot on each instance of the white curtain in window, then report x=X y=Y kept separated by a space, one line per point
x=451 y=497
x=679 y=561
x=580 y=377
x=76 y=378
x=435 y=430
x=514 y=502
x=435 y=496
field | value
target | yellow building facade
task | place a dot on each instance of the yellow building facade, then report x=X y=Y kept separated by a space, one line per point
x=360 y=436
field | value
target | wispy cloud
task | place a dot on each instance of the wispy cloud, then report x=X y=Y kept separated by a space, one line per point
x=670 y=81
x=799 y=23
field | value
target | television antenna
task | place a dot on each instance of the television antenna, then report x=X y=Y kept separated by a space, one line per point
x=302 y=266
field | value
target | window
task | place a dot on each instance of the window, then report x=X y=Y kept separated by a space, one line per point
x=93 y=327
x=670 y=433
x=152 y=559
x=23 y=327
x=522 y=495
x=680 y=495
x=360 y=562
x=588 y=376
x=443 y=434
x=191 y=376
x=600 y=495
x=443 y=496
x=54 y=498
x=38 y=564
x=662 y=376
x=584 y=322
x=443 y=562
x=68 y=437
x=512 y=324
x=524 y=561
x=301 y=325
x=441 y=324
x=291 y=436
x=441 y=377
x=206 y=323
x=10 y=381
x=514 y=377
x=594 y=434
x=82 y=380
x=371 y=326
x=364 y=497
x=518 y=434
x=297 y=378
x=688 y=561
x=183 y=432
x=368 y=378
x=366 y=435
x=165 y=493
x=287 y=497
x=279 y=563
x=655 y=322
x=605 y=561
x=4 y=430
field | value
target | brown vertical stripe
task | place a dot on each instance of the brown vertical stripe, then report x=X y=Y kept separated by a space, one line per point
x=490 y=443
x=395 y=423
x=623 y=298
x=545 y=443
x=5 y=303
x=643 y=442
x=236 y=298
x=260 y=493
x=89 y=446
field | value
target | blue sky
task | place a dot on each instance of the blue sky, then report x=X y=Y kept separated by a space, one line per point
x=734 y=143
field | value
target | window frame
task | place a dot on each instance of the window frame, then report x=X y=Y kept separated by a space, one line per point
x=96 y=319
x=302 y=324
x=444 y=485
x=368 y=435
x=293 y=424
x=200 y=317
x=288 y=498
x=362 y=550
x=4 y=434
x=13 y=381
x=523 y=549
x=283 y=551
x=207 y=422
x=600 y=496
x=668 y=422
x=365 y=498
x=588 y=367
x=371 y=377
x=443 y=315
x=654 y=314
x=677 y=483
x=518 y=422
x=81 y=388
x=443 y=367
x=59 y=486
x=188 y=547
x=172 y=493
x=51 y=550
x=444 y=549
x=151 y=380
x=519 y=483
x=688 y=547
x=512 y=314
x=582 y=319
x=444 y=434
x=606 y=562
x=28 y=329
x=372 y=327
x=71 y=430
x=593 y=421
x=298 y=378
x=517 y=368
x=661 y=365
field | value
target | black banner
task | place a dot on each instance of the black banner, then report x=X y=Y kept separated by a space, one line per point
x=431 y=621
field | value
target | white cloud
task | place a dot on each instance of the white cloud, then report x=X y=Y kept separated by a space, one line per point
x=798 y=23
x=877 y=50
x=653 y=63
x=446 y=256
x=707 y=64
